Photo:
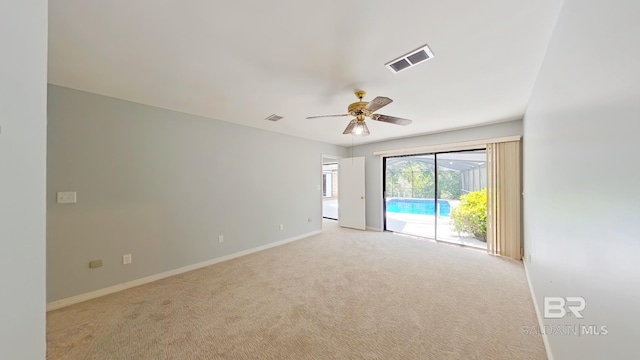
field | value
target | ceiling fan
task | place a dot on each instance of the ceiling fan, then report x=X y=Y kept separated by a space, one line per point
x=361 y=109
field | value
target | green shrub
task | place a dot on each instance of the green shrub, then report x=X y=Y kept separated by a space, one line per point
x=471 y=215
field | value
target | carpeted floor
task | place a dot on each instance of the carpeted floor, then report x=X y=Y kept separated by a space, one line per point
x=343 y=294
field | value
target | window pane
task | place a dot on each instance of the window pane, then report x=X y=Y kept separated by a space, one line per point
x=462 y=184
x=410 y=195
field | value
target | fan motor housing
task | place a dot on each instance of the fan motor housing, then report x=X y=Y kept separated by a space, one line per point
x=357 y=108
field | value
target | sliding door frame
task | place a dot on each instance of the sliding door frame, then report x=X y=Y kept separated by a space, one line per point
x=435 y=176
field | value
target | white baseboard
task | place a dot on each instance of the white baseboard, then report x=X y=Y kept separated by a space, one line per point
x=145 y=280
x=545 y=339
x=371 y=228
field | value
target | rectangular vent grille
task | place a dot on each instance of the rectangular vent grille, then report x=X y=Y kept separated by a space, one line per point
x=400 y=65
x=409 y=60
x=273 y=117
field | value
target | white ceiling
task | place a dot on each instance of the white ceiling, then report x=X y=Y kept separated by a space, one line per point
x=241 y=61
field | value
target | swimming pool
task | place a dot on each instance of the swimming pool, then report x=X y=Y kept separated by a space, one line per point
x=418 y=206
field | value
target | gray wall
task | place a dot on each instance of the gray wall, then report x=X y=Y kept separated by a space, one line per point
x=23 y=96
x=582 y=176
x=162 y=185
x=373 y=164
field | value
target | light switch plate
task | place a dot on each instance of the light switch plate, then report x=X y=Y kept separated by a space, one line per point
x=126 y=259
x=66 y=197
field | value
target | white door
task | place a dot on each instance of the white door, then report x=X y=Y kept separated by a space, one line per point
x=351 y=193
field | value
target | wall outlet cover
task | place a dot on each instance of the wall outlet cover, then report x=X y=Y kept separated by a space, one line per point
x=66 y=197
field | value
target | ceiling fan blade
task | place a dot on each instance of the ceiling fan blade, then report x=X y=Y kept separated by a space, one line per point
x=323 y=116
x=378 y=103
x=350 y=127
x=390 y=119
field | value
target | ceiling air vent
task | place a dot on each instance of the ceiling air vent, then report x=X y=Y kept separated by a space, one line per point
x=410 y=60
x=273 y=117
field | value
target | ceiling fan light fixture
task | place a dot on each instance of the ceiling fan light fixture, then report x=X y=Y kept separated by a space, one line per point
x=360 y=129
x=363 y=109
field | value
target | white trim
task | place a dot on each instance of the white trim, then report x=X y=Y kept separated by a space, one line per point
x=545 y=339
x=465 y=145
x=145 y=280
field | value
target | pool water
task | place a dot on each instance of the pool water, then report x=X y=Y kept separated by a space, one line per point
x=418 y=206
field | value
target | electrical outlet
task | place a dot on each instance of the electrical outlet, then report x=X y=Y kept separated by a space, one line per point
x=66 y=197
x=220 y=238
x=126 y=259
x=281 y=226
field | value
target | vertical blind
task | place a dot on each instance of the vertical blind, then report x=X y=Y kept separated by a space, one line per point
x=504 y=189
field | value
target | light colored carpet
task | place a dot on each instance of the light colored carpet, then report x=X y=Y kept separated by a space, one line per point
x=343 y=294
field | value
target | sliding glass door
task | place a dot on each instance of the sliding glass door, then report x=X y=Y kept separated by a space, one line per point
x=410 y=205
x=462 y=183
x=440 y=196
